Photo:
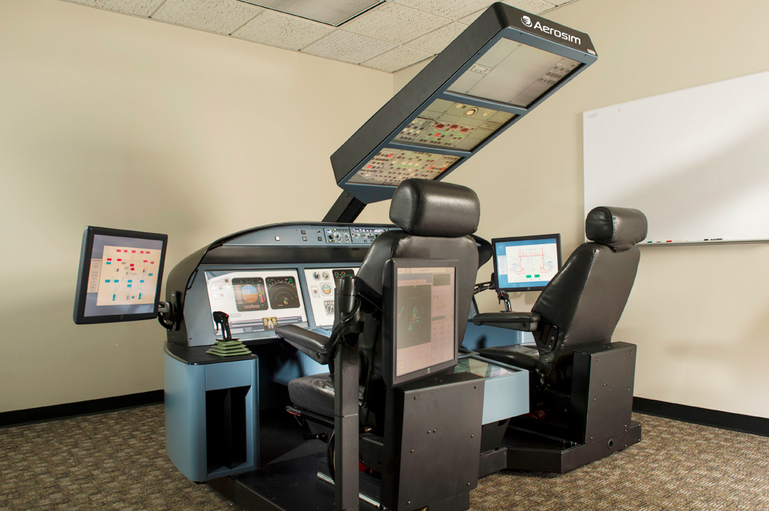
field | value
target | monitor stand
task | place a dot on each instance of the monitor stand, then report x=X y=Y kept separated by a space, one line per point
x=504 y=297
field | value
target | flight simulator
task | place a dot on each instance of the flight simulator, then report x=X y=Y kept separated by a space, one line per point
x=350 y=359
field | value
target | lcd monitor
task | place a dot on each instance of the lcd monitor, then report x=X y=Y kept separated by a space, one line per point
x=119 y=276
x=526 y=263
x=257 y=301
x=420 y=332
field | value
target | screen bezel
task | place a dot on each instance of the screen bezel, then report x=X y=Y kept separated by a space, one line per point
x=389 y=329
x=535 y=237
x=81 y=291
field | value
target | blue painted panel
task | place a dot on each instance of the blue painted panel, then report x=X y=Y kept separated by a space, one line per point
x=185 y=413
x=506 y=397
x=506 y=388
x=227 y=375
x=185 y=417
x=484 y=336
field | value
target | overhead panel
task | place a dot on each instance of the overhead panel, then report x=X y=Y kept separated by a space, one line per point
x=494 y=73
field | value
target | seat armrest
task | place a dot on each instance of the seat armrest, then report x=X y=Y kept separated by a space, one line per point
x=312 y=344
x=522 y=321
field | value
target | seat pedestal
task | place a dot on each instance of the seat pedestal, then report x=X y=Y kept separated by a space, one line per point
x=592 y=421
x=523 y=450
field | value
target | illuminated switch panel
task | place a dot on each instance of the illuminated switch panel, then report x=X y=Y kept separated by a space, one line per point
x=431 y=132
x=338 y=235
x=353 y=235
x=453 y=125
x=365 y=234
x=321 y=283
x=391 y=166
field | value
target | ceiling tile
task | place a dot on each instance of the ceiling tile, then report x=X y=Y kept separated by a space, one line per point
x=218 y=16
x=468 y=20
x=532 y=6
x=387 y=37
x=281 y=30
x=329 y=12
x=397 y=59
x=452 y=9
x=135 y=7
x=394 y=23
x=348 y=47
x=437 y=40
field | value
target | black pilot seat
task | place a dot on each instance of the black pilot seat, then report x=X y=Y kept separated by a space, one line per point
x=423 y=437
x=581 y=382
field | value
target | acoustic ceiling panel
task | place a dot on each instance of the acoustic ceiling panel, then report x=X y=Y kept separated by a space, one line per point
x=330 y=13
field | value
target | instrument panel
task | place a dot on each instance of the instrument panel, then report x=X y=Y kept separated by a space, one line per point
x=256 y=301
x=353 y=235
x=321 y=283
x=259 y=300
x=266 y=277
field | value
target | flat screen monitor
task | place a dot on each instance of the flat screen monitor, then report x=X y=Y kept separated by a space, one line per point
x=526 y=263
x=420 y=335
x=119 y=276
x=259 y=301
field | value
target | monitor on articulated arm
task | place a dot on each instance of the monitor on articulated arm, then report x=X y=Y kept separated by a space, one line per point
x=119 y=276
x=526 y=263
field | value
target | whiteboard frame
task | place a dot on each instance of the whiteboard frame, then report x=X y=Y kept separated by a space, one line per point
x=695 y=161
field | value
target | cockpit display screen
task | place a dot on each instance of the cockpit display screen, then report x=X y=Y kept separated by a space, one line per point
x=257 y=302
x=120 y=275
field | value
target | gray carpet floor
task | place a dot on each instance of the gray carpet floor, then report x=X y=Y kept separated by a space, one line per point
x=118 y=461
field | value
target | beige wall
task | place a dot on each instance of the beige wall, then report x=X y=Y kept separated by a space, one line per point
x=699 y=314
x=116 y=121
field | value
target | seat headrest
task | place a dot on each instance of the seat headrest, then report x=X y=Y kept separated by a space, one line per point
x=619 y=228
x=432 y=208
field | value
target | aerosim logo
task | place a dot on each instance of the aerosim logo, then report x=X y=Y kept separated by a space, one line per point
x=550 y=31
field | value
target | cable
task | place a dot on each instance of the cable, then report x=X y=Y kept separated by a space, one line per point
x=164 y=324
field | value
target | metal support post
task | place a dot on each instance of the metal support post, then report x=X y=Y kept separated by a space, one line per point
x=346 y=428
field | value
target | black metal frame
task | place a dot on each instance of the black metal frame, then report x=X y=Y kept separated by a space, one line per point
x=86 y=251
x=539 y=286
x=592 y=416
x=498 y=22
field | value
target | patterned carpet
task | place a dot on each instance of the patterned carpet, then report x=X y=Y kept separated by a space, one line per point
x=118 y=461
x=110 y=461
x=677 y=466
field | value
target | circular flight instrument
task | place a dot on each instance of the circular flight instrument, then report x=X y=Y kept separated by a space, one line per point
x=282 y=292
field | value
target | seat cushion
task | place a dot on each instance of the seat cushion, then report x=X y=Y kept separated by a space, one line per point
x=315 y=394
x=518 y=355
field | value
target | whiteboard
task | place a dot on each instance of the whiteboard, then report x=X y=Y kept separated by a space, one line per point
x=695 y=161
